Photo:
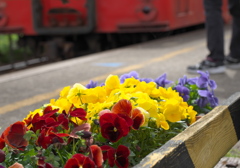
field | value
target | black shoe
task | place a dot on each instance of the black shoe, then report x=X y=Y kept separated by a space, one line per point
x=207 y=65
x=232 y=63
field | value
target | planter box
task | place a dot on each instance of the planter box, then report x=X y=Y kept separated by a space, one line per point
x=204 y=143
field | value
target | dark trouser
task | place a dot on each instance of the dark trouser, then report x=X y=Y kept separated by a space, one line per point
x=214 y=28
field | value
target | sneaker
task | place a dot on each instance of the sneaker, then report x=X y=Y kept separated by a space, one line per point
x=232 y=63
x=207 y=65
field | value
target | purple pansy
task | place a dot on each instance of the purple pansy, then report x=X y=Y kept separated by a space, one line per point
x=202 y=102
x=183 y=92
x=184 y=80
x=92 y=84
x=210 y=97
x=204 y=81
x=162 y=81
x=147 y=80
x=131 y=74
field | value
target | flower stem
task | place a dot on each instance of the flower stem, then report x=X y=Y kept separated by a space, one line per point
x=74 y=145
x=60 y=156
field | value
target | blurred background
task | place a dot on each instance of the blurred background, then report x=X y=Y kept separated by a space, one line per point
x=36 y=32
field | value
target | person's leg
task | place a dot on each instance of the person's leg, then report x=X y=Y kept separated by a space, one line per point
x=214 y=28
x=234 y=8
x=214 y=63
x=233 y=59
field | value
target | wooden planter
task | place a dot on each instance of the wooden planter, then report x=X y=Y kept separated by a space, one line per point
x=204 y=143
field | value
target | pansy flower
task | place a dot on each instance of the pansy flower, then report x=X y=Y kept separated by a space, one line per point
x=123 y=108
x=210 y=97
x=75 y=94
x=204 y=81
x=2 y=156
x=113 y=127
x=79 y=113
x=91 y=84
x=118 y=157
x=134 y=118
x=14 y=135
x=96 y=155
x=48 y=137
x=183 y=92
x=79 y=160
x=112 y=82
x=132 y=74
x=162 y=81
x=147 y=80
x=41 y=163
x=2 y=143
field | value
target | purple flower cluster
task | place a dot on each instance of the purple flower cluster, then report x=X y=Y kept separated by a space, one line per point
x=204 y=87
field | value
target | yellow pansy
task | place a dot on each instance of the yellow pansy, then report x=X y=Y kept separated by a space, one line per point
x=155 y=93
x=61 y=104
x=145 y=87
x=75 y=94
x=172 y=111
x=168 y=93
x=129 y=85
x=192 y=114
x=65 y=92
x=161 y=122
x=112 y=82
x=94 y=95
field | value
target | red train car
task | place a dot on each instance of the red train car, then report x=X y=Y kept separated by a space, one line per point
x=89 y=19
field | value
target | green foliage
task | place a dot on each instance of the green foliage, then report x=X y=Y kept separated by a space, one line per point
x=11 y=52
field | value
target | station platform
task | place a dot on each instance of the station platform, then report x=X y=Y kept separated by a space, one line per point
x=26 y=90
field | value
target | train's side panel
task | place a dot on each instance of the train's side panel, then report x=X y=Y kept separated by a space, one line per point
x=185 y=13
x=150 y=15
x=16 y=16
x=52 y=17
x=131 y=16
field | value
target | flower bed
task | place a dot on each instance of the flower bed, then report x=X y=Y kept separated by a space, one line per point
x=117 y=123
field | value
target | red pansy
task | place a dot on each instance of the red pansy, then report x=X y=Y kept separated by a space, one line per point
x=2 y=143
x=2 y=156
x=41 y=163
x=138 y=118
x=79 y=112
x=123 y=108
x=118 y=157
x=79 y=160
x=13 y=135
x=113 y=127
x=48 y=137
x=96 y=155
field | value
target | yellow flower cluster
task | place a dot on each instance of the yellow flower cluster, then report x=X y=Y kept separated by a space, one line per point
x=160 y=104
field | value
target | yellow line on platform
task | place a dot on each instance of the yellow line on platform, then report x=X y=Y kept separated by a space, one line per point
x=53 y=94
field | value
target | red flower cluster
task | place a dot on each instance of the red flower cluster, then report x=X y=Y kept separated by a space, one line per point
x=117 y=123
x=52 y=127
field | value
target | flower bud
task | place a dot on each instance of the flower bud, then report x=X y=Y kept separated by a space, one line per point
x=2 y=156
x=86 y=134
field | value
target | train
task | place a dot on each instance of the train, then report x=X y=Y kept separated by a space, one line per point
x=66 y=27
